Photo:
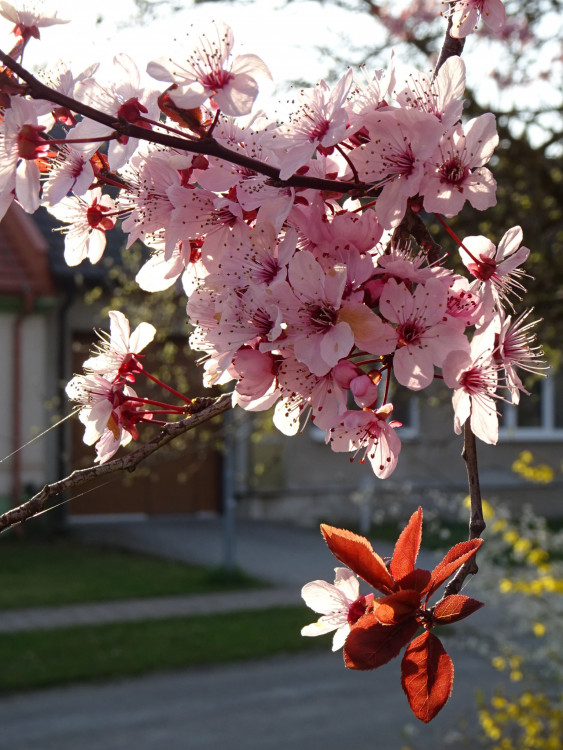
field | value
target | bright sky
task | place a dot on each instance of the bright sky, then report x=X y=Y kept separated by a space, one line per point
x=286 y=36
x=283 y=36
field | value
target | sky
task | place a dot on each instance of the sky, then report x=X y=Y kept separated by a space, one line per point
x=285 y=35
x=268 y=29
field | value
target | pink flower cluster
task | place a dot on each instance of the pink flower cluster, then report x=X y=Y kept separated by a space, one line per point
x=309 y=300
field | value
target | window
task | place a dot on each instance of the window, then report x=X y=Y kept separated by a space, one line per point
x=539 y=416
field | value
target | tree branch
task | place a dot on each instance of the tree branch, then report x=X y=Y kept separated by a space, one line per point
x=476 y=522
x=450 y=48
x=207 y=145
x=202 y=409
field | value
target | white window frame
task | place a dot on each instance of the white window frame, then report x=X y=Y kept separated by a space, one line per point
x=510 y=430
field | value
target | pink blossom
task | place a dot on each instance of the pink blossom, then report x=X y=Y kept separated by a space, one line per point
x=516 y=350
x=423 y=336
x=207 y=73
x=401 y=141
x=466 y=13
x=320 y=120
x=88 y=219
x=496 y=268
x=162 y=269
x=70 y=171
x=340 y=605
x=28 y=20
x=370 y=432
x=116 y=353
x=455 y=173
x=318 y=337
x=440 y=96
x=473 y=376
x=21 y=144
x=123 y=97
x=108 y=416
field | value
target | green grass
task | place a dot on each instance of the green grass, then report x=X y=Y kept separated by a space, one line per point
x=54 y=657
x=57 y=571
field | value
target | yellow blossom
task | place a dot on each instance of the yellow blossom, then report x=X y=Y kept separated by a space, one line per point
x=539 y=629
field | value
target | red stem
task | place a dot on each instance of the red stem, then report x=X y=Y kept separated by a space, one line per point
x=167 y=387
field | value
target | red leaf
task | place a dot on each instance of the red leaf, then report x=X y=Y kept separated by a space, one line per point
x=454 y=608
x=406 y=549
x=451 y=562
x=393 y=609
x=371 y=644
x=417 y=579
x=357 y=553
x=427 y=675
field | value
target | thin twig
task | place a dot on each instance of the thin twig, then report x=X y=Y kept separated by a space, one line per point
x=129 y=462
x=476 y=521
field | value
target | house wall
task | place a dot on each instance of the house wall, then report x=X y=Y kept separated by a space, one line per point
x=300 y=479
x=35 y=393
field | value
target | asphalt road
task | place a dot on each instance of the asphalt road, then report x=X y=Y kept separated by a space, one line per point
x=285 y=703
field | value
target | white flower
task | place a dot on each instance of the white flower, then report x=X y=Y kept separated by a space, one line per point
x=208 y=73
x=114 y=355
x=334 y=602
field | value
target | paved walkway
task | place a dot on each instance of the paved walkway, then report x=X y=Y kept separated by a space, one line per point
x=283 y=556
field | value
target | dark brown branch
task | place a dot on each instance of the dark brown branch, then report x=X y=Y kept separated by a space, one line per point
x=450 y=48
x=207 y=145
x=476 y=521
x=129 y=462
x=413 y=226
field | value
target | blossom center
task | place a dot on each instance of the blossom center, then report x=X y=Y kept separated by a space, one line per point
x=472 y=380
x=216 y=79
x=484 y=269
x=322 y=317
x=358 y=608
x=32 y=145
x=453 y=171
x=409 y=333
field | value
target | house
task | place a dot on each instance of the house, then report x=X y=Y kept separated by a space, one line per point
x=46 y=332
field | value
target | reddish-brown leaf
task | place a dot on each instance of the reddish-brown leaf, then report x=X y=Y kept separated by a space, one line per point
x=406 y=549
x=454 y=608
x=357 y=553
x=417 y=579
x=393 y=609
x=427 y=675
x=371 y=644
x=451 y=562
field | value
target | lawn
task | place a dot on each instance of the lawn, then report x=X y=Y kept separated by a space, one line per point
x=55 y=657
x=55 y=571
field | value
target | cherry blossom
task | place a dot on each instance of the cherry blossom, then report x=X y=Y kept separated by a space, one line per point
x=473 y=376
x=340 y=605
x=496 y=268
x=320 y=120
x=27 y=19
x=88 y=219
x=401 y=141
x=370 y=432
x=466 y=13
x=440 y=96
x=21 y=144
x=516 y=350
x=207 y=73
x=455 y=172
x=117 y=354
